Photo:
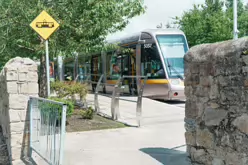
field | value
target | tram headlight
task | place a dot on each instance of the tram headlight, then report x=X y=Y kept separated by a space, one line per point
x=175 y=82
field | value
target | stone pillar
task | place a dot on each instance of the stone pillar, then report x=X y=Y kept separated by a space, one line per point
x=216 y=89
x=4 y=157
x=18 y=80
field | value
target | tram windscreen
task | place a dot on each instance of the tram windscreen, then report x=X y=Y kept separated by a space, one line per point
x=173 y=48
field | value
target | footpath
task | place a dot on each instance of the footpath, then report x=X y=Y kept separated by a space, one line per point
x=159 y=141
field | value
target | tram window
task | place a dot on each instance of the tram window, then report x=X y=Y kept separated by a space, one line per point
x=114 y=65
x=69 y=71
x=151 y=63
x=108 y=64
x=125 y=65
x=145 y=36
x=96 y=67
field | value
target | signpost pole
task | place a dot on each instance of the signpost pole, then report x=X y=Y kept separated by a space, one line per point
x=47 y=69
x=45 y=26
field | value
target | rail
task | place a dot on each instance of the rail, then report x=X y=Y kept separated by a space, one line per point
x=47 y=129
x=116 y=97
x=115 y=112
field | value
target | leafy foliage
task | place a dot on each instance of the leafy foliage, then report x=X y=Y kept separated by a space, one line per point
x=87 y=114
x=55 y=110
x=69 y=89
x=84 y=25
x=209 y=23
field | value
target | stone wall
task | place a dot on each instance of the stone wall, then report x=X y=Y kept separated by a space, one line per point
x=216 y=89
x=4 y=157
x=18 y=80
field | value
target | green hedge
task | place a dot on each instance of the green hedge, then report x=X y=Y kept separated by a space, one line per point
x=55 y=109
x=65 y=89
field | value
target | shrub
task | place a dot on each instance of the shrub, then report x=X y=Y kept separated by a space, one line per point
x=70 y=106
x=70 y=89
x=87 y=114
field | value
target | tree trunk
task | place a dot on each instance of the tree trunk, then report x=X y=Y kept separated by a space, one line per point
x=43 y=78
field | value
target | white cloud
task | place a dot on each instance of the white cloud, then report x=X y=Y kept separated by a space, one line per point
x=157 y=11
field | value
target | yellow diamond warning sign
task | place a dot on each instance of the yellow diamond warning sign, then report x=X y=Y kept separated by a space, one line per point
x=44 y=25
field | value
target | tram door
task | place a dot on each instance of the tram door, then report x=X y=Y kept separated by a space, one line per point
x=95 y=71
x=132 y=72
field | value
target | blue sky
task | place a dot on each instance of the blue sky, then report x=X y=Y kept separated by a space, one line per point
x=157 y=11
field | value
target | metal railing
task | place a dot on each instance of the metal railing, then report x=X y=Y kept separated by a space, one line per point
x=47 y=129
x=115 y=112
x=116 y=97
x=96 y=90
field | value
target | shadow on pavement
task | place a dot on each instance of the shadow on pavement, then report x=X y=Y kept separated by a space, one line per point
x=171 y=101
x=167 y=156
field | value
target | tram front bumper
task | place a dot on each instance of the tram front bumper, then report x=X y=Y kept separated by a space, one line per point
x=177 y=93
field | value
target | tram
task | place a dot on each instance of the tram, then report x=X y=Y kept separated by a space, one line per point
x=156 y=53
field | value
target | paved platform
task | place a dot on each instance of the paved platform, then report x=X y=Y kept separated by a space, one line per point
x=153 y=112
x=159 y=140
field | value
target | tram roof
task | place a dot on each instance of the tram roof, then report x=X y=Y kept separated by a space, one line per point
x=134 y=38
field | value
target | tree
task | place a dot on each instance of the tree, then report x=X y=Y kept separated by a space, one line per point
x=84 y=24
x=208 y=23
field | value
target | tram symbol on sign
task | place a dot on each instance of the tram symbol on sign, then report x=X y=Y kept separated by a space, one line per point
x=44 y=24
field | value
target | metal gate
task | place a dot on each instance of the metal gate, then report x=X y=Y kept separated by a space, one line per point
x=47 y=129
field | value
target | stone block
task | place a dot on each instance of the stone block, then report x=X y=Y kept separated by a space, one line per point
x=23 y=88
x=19 y=139
x=207 y=69
x=201 y=91
x=214 y=92
x=242 y=123
x=235 y=158
x=18 y=127
x=205 y=81
x=16 y=153
x=12 y=87
x=32 y=77
x=231 y=95
x=233 y=81
x=213 y=117
x=195 y=68
x=190 y=109
x=245 y=69
x=28 y=62
x=193 y=79
x=29 y=88
x=190 y=138
x=217 y=161
x=22 y=77
x=18 y=101
x=246 y=83
x=19 y=162
x=8 y=68
x=11 y=76
x=214 y=105
x=18 y=115
x=33 y=88
x=205 y=138
x=245 y=59
x=199 y=156
x=228 y=70
x=33 y=68
x=190 y=125
x=188 y=91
